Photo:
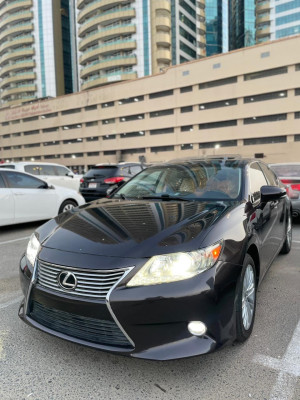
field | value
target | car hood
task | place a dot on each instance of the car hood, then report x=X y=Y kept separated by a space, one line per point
x=133 y=229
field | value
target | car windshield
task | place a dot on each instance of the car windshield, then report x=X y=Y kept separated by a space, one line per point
x=199 y=180
x=287 y=170
x=103 y=171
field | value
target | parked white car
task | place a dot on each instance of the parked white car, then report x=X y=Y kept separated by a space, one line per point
x=55 y=174
x=25 y=198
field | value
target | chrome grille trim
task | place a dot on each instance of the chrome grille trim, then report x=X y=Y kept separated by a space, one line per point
x=91 y=283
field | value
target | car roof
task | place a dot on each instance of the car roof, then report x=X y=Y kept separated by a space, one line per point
x=184 y=161
x=32 y=163
x=20 y=172
x=287 y=163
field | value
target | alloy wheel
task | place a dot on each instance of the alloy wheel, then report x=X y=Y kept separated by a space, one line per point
x=248 y=297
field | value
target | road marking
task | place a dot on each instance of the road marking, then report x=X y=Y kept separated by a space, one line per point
x=288 y=367
x=17 y=240
x=10 y=303
x=296 y=241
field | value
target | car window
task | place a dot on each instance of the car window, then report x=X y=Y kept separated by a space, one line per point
x=257 y=180
x=101 y=172
x=32 y=169
x=124 y=171
x=18 y=180
x=135 y=169
x=62 y=171
x=269 y=174
x=286 y=170
x=47 y=170
x=7 y=166
x=2 y=184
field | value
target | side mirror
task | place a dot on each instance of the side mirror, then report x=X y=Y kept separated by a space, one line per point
x=70 y=174
x=271 y=193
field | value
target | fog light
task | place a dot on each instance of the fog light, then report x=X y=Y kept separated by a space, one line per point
x=197 y=328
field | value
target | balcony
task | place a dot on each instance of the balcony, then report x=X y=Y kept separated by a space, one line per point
x=107 y=48
x=18 y=65
x=26 y=39
x=15 y=54
x=24 y=76
x=108 y=63
x=260 y=18
x=263 y=32
x=162 y=5
x=163 y=55
x=19 y=16
x=95 y=5
x=122 y=13
x=163 y=38
x=22 y=28
x=107 y=79
x=163 y=23
x=15 y=5
x=18 y=89
x=117 y=30
x=263 y=6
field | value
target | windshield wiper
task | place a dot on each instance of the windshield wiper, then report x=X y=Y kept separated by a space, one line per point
x=165 y=197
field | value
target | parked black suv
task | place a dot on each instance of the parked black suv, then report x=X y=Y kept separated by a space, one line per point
x=95 y=183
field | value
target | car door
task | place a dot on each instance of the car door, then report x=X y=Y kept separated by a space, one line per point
x=32 y=200
x=264 y=218
x=7 y=204
x=279 y=209
x=67 y=178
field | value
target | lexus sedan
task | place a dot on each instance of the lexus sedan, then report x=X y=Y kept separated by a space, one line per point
x=167 y=267
x=25 y=198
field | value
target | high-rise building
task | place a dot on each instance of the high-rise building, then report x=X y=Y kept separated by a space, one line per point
x=188 y=30
x=216 y=15
x=276 y=19
x=241 y=23
x=122 y=40
x=35 y=61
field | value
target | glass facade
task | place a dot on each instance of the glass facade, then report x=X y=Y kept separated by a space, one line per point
x=242 y=23
x=287 y=17
x=214 y=30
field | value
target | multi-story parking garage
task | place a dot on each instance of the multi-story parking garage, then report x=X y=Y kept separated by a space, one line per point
x=246 y=102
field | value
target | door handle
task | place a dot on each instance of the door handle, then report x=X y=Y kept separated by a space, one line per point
x=19 y=194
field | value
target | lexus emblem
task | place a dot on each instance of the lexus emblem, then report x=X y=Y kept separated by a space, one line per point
x=67 y=280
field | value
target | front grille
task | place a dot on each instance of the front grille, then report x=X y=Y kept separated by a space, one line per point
x=85 y=328
x=90 y=283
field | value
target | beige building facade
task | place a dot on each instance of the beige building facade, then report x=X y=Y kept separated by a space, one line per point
x=245 y=102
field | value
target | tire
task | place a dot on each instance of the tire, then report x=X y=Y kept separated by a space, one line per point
x=67 y=206
x=246 y=300
x=286 y=247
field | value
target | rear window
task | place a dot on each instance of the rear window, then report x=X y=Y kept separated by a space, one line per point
x=7 y=166
x=106 y=172
x=286 y=170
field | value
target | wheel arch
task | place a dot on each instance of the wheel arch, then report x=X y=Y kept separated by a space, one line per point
x=253 y=252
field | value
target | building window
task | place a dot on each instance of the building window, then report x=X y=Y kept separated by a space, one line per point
x=27 y=146
x=91 y=123
x=297 y=138
x=223 y=143
x=47 y=130
x=219 y=124
x=186 y=146
x=265 y=140
x=161 y=131
x=108 y=104
x=159 y=149
x=5 y=123
x=190 y=38
x=265 y=118
x=297 y=114
x=297 y=67
x=51 y=156
x=52 y=143
x=186 y=89
x=7 y=136
x=71 y=111
x=292 y=30
x=287 y=19
x=30 y=119
x=218 y=82
x=132 y=134
x=73 y=155
x=132 y=117
x=133 y=151
x=92 y=139
x=7 y=148
x=218 y=104
x=108 y=121
x=161 y=113
x=35 y=132
x=186 y=109
x=17 y=134
x=50 y=115
x=93 y=153
x=73 y=126
x=163 y=93
x=297 y=92
x=109 y=152
x=187 y=21
x=17 y=147
x=131 y=100
x=187 y=128
x=265 y=73
x=90 y=108
x=192 y=53
x=72 y=141
x=287 y=6
x=266 y=96
x=108 y=137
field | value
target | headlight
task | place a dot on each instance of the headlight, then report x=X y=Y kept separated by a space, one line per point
x=176 y=266
x=33 y=248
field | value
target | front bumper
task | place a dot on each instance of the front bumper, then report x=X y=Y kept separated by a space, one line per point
x=144 y=322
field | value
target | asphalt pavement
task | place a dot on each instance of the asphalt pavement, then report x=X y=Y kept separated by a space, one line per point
x=36 y=366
